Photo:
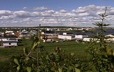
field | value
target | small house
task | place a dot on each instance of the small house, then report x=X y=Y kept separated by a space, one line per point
x=66 y=36
x=91 y=39
x=8 y=42
x=48 y=36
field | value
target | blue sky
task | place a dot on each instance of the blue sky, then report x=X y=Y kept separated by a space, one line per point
x=54 y=12
x=53 y=4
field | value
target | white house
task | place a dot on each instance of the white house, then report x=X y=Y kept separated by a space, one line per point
x=8 y=42
x=111 y=39
x=110 y=36
x=49 y=36
x=9 y=32
x=66 y=37
x=79 y=36
x=24 y=34
x=90 y=39
x=86 y=39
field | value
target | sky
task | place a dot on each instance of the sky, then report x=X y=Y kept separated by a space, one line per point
x=79 y=13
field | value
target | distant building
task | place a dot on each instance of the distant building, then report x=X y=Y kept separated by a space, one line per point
x=66 y=36
x=48 y=36
x=33 y=32
x=91 y=39
x=24 y=34
x=110 y=38
x=8 y=42
x=80 y=37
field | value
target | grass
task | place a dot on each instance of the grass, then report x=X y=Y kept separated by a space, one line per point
x=68 y=46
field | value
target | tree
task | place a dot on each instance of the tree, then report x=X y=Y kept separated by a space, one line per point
x=101 y=54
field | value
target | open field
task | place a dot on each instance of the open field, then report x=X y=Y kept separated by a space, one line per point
x=69 y=47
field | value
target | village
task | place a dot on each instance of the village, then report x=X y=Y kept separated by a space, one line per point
x=12 y=37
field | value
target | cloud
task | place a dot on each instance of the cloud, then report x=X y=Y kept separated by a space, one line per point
x=35 y=14
x=22 y=14
x=40 y=8
x=82 y=16
x=63 y=11
x=24 y=8
x=4 y=17
x=111 y=12
x=5 y=12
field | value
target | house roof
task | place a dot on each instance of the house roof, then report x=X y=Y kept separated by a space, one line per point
x=49 y=32
x=9 y=41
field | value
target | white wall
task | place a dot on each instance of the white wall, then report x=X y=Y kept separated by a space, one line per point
x=64 y=33
x=5 y=44
x=9 y=44
x=13 y=44
x=90 y=39
x=79 y=36
x=7 y=39
x=64 y=37
x=110 y=39
x=86 y=39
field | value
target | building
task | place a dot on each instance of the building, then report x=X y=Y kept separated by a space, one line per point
x=91 y=40
x=24 y=34
x=66 y=36
x=8 y=42
x=49 y=36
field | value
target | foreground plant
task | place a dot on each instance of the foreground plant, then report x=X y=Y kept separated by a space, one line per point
x=101 y=54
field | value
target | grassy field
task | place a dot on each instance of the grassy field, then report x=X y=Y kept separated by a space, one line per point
x=79 y=49
x=69 y=47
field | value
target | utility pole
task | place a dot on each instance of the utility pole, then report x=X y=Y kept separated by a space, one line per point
x=39 y=31
x=38 y=34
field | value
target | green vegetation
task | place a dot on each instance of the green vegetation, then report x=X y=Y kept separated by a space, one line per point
x=101 y=54
x=68 y=47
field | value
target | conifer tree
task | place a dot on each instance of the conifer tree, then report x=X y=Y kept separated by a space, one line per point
x=99 y=51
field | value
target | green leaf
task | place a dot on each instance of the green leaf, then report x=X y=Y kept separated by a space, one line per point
x=29 y=69
x=27 y=58
x=34 y=45
x=77 y=70
x=60 y=70
x=25 y=52
x=18 y=68
x=16 y=61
